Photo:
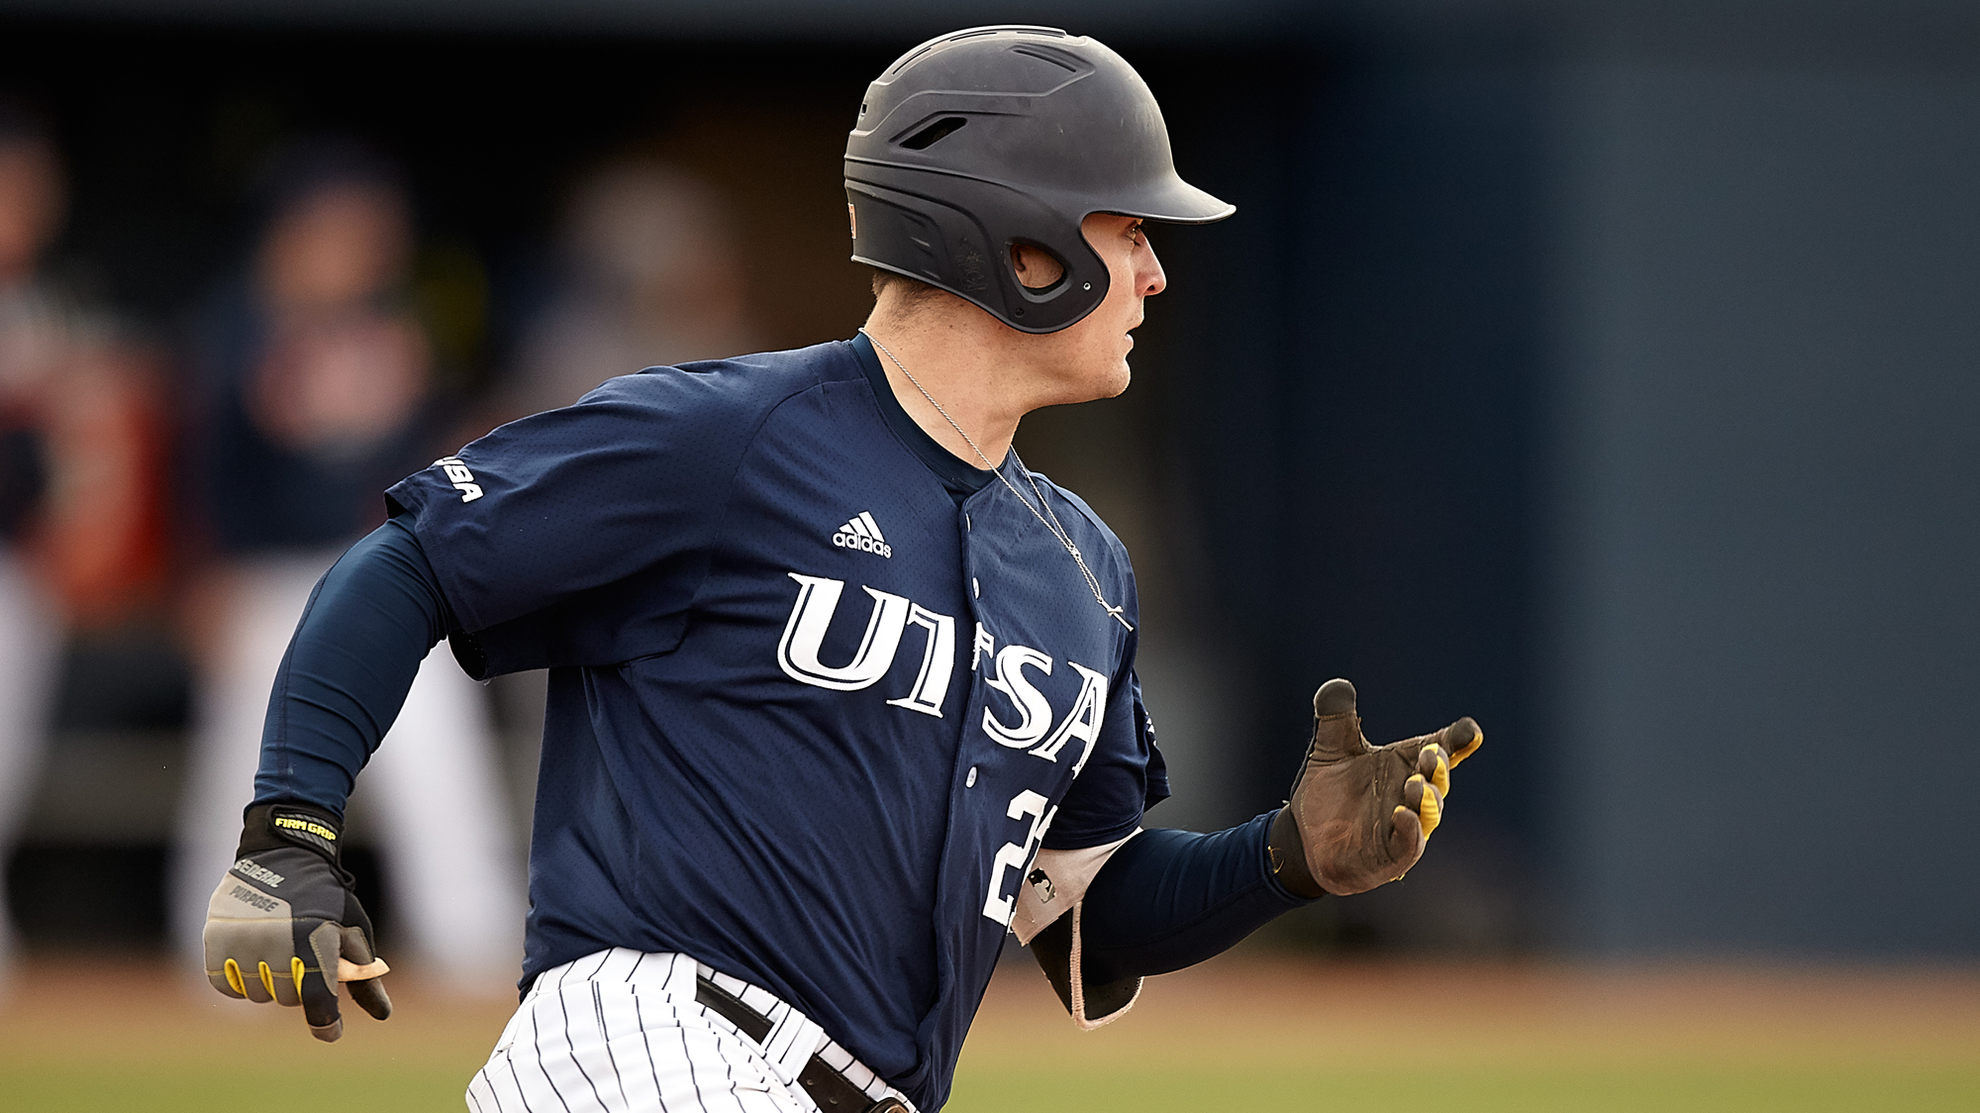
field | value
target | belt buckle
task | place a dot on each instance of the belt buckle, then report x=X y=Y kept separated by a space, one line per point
x=888 y=1105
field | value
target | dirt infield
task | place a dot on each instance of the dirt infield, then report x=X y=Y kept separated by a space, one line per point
x=1243 y=1033
x=1347 y=1014
x=1297 y=1034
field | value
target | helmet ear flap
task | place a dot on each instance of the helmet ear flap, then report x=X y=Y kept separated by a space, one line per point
x=1079 y=289
x=932 y=240
x=946 y=244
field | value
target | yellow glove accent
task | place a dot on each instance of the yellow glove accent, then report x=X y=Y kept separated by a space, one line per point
x=296 y=972
x=1430 y=811
x=268 y=980
x=233 y=970
x=1469 y=749
x=1442 y=777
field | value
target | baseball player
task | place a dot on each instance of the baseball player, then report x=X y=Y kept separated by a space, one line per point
x=840 y=692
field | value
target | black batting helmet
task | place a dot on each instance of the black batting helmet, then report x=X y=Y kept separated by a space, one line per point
x=979 y=140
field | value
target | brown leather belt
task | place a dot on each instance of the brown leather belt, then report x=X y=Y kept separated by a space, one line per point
x=834 y=1092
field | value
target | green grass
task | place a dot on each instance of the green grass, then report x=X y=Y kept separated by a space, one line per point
x=205 y=1089
x=407 y=1088
x=94 y=1037
x=1512 y=1089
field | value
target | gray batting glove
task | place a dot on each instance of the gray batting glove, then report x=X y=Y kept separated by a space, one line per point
x=285 y=926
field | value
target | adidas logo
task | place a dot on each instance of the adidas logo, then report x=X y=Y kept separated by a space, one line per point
x=863 y=533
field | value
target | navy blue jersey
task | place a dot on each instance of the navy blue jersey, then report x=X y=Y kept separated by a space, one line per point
x=810 y=713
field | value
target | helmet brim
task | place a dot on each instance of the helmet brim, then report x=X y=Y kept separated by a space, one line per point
x=1172 y=202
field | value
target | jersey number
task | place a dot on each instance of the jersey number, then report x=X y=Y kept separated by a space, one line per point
x=996 y=905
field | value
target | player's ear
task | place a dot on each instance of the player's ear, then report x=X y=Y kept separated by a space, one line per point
x=1035 y=267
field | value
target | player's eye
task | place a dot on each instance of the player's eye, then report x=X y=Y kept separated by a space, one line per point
x=1136 y=233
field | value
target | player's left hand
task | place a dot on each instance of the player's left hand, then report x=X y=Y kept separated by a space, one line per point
x=1359 y=815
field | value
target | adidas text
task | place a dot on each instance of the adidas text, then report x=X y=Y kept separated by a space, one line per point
x=862 y=533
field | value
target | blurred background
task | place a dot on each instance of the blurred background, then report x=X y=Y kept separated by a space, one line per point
x=1606 y=371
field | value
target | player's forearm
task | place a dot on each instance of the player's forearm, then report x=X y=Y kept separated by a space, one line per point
x=368 y=625
x=1170 y=899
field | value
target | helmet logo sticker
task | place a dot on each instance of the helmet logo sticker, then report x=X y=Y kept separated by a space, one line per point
x=970 y=262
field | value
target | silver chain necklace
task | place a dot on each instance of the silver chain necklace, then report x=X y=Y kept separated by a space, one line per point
x=1042 y=512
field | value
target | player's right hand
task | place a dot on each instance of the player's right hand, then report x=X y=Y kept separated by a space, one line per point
x=285 y=926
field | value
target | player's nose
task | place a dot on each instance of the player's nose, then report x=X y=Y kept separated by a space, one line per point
x=1149 y=272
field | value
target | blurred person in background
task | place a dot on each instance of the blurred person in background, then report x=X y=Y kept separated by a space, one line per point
x=82 y=475
x=649 y=274
x=314 y=392
x=646 y=272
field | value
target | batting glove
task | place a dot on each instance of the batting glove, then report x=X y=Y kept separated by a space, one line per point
x=285 y=926
x=1360 y=815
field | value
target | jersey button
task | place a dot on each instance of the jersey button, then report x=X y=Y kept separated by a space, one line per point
x=970 y=781
x=975 y=589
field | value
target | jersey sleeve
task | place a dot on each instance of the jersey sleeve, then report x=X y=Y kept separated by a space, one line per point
x=580 y=535
x=1123 y=778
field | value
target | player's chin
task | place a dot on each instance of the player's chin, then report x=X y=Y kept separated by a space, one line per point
x=1124 y=372
x=1117 y=383
x=1095 y=385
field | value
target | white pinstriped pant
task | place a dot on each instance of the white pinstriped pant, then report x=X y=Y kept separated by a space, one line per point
x=619 y=1031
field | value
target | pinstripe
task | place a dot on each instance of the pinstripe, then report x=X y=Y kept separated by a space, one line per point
x=605 y=1032
x=733 y=1048
x=720 y=1046
x=542 y=1065
x=484 y=1079
x=682 y=977
x=728 y=1061
x=652 y=1058
x=489 y=1076
x=748 y=1090
x=570 y=1048
x=516 y=1080
x=615 y=959
x=752 y=1078
x=729 y=1050
x=687 y=1056
x=778 y=1042
x=605 y=965
x=718 y=1024
x=652 y=1068
x=488 y=1087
